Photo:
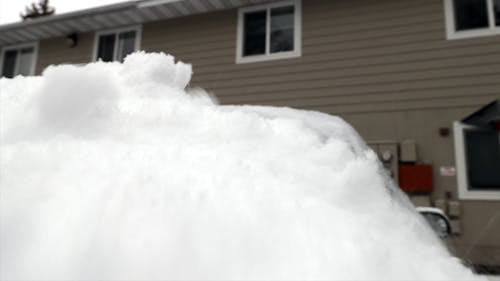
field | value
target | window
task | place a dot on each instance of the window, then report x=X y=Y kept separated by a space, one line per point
x=18 y=60
x=472 y=18
x=477 y=153
x=267 y=32
x=115 y=45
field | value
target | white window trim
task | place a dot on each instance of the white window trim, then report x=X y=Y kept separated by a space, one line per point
x=297 y=52
x=17 y=47
x=452 y=34
x=136 y=28
x=462 y=180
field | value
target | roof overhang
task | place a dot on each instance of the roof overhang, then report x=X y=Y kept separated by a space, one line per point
x=111 y=16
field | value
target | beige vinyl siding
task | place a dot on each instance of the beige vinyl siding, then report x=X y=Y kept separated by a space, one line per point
x=56 y=51
x=358 y=56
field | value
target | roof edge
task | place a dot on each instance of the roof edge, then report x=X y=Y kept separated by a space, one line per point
x=78 y=13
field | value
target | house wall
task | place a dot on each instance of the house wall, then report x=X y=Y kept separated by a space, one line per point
x=383 y=65
x=56 y=51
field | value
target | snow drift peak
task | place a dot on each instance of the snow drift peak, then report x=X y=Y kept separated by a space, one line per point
x=157 y=68
x=84 y=100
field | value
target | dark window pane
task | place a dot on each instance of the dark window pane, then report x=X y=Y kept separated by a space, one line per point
x=497 y=12
x=105 y=51
x=282 y=29
x=254 y=33
x=9 y=63
x=483 y=159
x=470 y=14
x=126 y=44
x=25 y=61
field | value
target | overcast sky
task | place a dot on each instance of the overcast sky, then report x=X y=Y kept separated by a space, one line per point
x=10 y=9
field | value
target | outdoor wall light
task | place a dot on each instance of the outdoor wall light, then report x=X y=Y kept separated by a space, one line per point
x=72 y=40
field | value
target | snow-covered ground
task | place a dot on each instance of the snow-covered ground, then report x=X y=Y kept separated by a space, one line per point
x=113 y=171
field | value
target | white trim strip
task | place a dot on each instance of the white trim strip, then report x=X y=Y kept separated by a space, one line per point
x=155 y=3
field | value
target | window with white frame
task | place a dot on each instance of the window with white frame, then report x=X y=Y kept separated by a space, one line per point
x=270 y=31
x=115 y=45
x=472 y=18
x=477 y=153
x=18 y=60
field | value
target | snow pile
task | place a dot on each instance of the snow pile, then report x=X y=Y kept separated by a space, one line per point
x=112 y=171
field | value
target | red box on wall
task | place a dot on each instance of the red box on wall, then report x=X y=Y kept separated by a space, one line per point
x=416 y=178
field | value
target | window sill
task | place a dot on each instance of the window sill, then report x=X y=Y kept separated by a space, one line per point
x=479 y=195
x=473 y=33
x=263 y=58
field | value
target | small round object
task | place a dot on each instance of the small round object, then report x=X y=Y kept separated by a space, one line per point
x=386 y=156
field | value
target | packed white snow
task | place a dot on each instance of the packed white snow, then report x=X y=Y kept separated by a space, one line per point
x=114 y=171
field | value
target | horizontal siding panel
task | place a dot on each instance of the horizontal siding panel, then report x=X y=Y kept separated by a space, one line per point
x=358 y=9
x=186 y=38
x=190 y=51
x=403 y=106
x=329 y=53
x=336 y=43
x=181 y=36
x=212 y=44
x=353 y=76
x=392 y=54
x=383 y=105
x=340 y=97
x=373 y=38
x=370 y=39
x=173 y=42
x=209 y=24
x=363 y=87
x=347 y=68
x=372 y=21
x=68 y=57
x=346 y=51
x=386 y=26
x=425 y=102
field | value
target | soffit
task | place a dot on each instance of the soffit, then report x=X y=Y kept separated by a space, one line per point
x=112 y=16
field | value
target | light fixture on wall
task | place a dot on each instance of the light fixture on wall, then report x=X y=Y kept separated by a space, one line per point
x=72 y=40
